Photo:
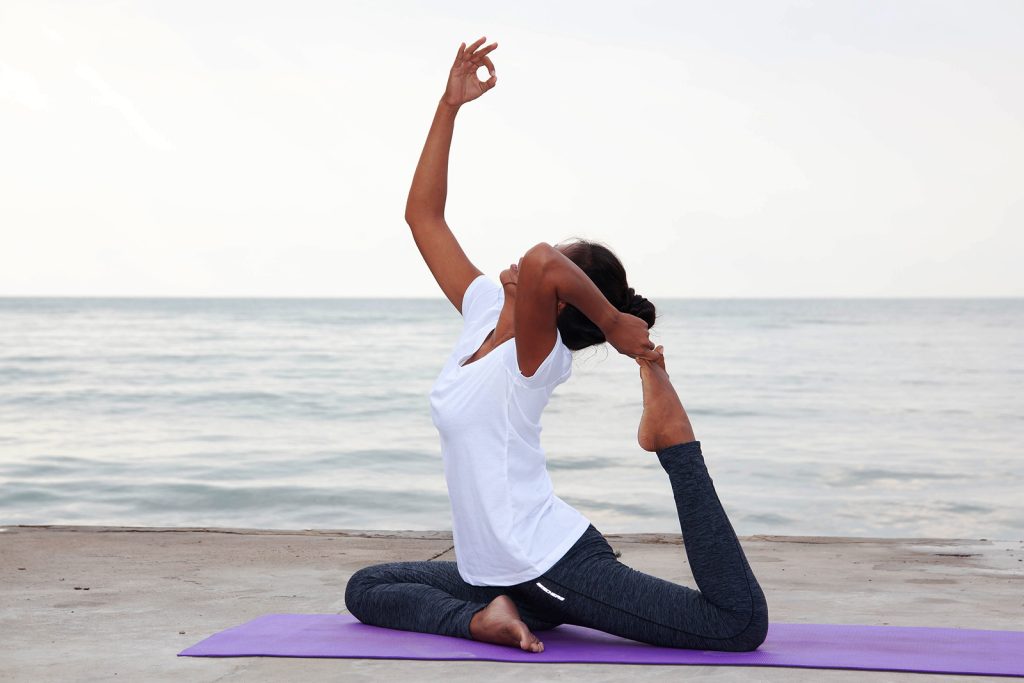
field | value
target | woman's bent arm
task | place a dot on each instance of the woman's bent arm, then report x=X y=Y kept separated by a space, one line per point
x=547 y=277
x=424 y=211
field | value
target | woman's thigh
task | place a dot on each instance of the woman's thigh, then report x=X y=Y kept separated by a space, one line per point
x=602 y=593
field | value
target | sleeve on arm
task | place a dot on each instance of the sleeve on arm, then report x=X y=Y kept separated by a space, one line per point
x=481 y=296
x=554 y=370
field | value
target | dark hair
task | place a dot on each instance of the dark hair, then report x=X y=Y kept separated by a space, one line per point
x=605 y=269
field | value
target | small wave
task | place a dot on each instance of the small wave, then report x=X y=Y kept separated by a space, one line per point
x=772 y=519
x=35 y=358
x=15 y=496
x=610 y=505
x=869 y=476
x=724 y=412
x=585 y=463
x=965 y=508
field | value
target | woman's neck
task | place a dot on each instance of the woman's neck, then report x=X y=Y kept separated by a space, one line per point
x=505 y=328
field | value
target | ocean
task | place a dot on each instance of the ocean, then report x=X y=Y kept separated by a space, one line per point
x=885 y=418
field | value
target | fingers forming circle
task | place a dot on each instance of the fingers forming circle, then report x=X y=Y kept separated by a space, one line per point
x=490 y=65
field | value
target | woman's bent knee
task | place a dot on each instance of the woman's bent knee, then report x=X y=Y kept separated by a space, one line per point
x=755 y=632
x=356 y=588
x=747 y=628
x=750 y=639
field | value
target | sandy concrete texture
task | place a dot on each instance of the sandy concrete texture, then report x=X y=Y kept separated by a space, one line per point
x=89 y=603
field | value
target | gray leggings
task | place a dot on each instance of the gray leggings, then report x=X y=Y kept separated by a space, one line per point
x=590 y=587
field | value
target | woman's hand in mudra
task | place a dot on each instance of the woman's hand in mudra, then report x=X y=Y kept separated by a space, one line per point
x=630 y=336
x=463 y=84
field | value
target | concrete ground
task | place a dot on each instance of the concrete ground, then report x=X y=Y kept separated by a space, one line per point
x=84 y=603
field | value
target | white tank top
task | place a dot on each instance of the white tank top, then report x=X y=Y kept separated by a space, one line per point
x=507 y=523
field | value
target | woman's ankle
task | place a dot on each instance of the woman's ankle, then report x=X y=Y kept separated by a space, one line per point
x=681 y=449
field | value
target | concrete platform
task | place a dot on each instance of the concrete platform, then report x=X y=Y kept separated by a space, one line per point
x=87 y=603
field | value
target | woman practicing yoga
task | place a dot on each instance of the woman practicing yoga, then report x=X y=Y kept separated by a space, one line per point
x=527 y=561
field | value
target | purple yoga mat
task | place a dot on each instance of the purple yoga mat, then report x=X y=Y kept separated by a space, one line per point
x=819 y=646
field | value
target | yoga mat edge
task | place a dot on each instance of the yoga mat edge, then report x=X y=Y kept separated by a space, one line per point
x=917 y=649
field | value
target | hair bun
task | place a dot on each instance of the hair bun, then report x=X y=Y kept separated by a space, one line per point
x=605 y=270
x=639 y=306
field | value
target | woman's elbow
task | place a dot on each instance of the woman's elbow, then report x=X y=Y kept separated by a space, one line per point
x=538 y=271
x=537 y=257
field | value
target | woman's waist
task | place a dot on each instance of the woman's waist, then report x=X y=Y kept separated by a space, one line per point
x=503 y=545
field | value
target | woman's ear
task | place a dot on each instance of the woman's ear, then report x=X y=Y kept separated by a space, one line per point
x=561 y=305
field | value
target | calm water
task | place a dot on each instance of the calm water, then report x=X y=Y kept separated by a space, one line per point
x=837 y=417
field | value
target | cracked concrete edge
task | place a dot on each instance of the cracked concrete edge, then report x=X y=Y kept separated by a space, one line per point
x=658 y=538
x=347 y=533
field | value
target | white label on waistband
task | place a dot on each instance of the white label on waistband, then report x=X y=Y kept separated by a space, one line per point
x=548 y=591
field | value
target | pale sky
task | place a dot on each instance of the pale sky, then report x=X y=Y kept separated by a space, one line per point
x=752 y=149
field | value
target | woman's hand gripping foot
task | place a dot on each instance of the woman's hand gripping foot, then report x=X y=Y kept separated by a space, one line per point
x=664 y=422
x=499 y=623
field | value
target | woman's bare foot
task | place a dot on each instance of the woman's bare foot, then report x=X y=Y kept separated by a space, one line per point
x=664 y=422
x=499 y=623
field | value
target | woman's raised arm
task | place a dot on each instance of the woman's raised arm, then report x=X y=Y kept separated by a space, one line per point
x=424 y=210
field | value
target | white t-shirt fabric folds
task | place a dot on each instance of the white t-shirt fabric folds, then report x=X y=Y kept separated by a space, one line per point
x=507 y=523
